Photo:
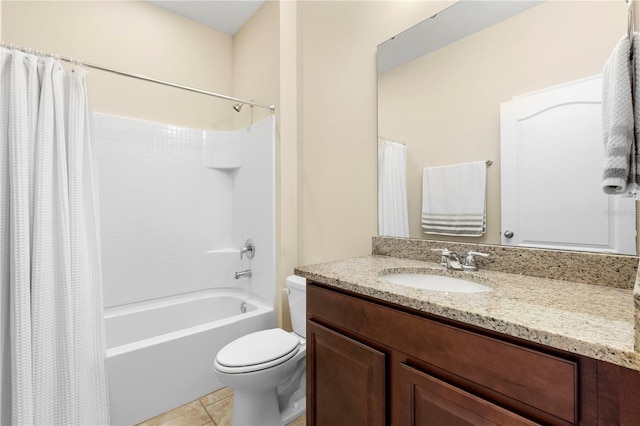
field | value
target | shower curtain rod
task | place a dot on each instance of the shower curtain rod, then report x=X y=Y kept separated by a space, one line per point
x=79 y=63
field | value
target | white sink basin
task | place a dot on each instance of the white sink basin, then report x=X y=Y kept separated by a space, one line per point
x=437 y=283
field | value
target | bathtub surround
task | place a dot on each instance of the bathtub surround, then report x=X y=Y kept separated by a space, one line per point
x=177 y=204
x=52 y=358
x=254 y=208
x=222 y=150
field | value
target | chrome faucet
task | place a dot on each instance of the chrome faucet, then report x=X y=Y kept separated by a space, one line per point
x=450 y=260
x=249 y=249
x=470 y=261
x=242 y=274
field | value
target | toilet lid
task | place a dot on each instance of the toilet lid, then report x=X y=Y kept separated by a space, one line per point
x=258 y=348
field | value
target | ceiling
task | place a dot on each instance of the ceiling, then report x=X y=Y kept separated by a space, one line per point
x=451 y=24
x=226 y=16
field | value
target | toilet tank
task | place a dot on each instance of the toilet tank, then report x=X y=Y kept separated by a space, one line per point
x=298 y=303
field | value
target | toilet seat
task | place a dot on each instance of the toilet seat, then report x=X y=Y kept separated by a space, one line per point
x=257 y=351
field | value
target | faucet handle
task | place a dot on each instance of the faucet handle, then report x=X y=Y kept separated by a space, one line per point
x=444 y=258
x=477 y=253
x=249 y=249
x=470 y=261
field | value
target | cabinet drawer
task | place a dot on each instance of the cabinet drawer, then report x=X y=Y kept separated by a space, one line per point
x=435 y=403
x=499 y=369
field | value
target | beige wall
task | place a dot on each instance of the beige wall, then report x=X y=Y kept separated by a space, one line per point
x=135 y=37
x=445 y=105
x=337 y=168
x=287 y=161
x=255 y=63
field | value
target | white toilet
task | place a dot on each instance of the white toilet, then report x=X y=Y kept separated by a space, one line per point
x=266 y=369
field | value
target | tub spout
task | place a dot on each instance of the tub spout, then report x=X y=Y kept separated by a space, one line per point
x=242 y=274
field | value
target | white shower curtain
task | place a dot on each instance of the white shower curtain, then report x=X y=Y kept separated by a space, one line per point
x=51 y=313
x=392 y=190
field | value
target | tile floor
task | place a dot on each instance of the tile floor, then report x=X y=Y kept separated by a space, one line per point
x=210 y=410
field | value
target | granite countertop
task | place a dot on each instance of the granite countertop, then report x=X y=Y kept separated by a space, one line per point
x=591 y=320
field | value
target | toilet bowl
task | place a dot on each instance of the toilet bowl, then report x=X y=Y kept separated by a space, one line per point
x=266 y=369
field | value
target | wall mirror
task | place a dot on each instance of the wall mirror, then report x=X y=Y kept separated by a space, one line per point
x=441 y=85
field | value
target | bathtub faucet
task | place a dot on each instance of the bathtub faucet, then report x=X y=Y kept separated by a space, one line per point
x=242 y=274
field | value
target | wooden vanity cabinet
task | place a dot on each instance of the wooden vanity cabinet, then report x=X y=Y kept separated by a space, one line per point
x=373 y=363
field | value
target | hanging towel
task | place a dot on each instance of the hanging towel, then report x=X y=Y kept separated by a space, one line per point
x=620 y=170
x=453 y=199
x=635 y=75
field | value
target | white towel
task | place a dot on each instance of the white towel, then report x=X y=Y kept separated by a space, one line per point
x=635 y=75
x=453 y=199
x=620 y=171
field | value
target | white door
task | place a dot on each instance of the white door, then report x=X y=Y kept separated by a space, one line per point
x=551 y=170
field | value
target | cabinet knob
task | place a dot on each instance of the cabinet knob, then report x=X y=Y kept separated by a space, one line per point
x=508 y=234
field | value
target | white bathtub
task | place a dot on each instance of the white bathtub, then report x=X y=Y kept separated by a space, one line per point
x=160 y=353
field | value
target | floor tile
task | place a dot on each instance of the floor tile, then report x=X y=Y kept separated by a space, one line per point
x=216 y=396
x=213 y=409
x=192 y=413
x=300 y=421
x=220 y=411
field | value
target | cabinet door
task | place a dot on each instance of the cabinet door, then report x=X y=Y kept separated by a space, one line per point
x=345 y=382
x=431 y=401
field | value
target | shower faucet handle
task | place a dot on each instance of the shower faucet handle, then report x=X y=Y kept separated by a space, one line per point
x=249 y=249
